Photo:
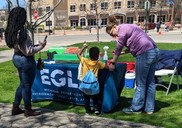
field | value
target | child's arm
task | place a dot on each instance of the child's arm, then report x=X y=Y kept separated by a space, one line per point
x=81 y=50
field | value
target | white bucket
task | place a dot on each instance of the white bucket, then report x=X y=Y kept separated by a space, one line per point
x=130 y=75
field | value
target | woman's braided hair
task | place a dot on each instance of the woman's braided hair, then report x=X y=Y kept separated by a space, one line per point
x=15 y=32
x=112 y=21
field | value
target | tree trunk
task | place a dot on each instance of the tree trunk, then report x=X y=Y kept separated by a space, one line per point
x=29 y=19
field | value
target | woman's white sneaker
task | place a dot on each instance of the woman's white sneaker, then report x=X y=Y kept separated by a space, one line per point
x=149 y=113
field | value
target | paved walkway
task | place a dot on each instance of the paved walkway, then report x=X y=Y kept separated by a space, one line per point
x=61 y=119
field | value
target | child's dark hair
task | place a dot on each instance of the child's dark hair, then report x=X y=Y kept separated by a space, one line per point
x=94 y=53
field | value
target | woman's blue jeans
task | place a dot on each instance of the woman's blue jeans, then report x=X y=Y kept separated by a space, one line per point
x=26 y=67
x=144 y=96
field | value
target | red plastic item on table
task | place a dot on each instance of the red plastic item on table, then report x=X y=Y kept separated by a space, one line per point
x=130 y=66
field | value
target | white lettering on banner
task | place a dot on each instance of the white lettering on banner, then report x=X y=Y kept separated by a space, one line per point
x=70 y=81
x=62 y=81
x=57 y=82
x=45 y=79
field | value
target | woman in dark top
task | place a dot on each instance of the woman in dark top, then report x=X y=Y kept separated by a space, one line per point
x=16 y=37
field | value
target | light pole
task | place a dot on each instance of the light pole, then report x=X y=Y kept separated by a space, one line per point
x=49 y=27
x=181 y=22
x=147 y=8
x=171 y=4
x=160 y=19
x=172 y=13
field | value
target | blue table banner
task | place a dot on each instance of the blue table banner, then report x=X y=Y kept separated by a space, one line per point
x=59 y=82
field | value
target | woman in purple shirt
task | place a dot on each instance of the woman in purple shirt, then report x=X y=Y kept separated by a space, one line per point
x=141 y=46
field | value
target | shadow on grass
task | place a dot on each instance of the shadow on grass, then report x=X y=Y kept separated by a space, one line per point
x=59 y=106
x=126 y=102
x=173 y=87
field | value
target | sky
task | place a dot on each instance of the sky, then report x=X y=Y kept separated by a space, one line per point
x=3 y=3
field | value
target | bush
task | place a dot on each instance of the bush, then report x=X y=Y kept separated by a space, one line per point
x=57 y=28
x=40 y=30
x=41 y=26
x=78 y=27
x=67 y=28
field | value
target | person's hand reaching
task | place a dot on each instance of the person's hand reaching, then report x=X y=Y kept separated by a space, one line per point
x=43 y=43
x=113 y=51
x=111 y=67
x=122 y=52
x=85 y=45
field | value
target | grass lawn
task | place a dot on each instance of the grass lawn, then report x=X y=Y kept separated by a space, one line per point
x=2 y=48
x=168 y=112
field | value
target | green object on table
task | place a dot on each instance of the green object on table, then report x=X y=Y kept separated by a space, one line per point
x=58 y=49
x=65 y=57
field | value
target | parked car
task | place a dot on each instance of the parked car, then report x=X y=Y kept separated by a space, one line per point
x=151 y=26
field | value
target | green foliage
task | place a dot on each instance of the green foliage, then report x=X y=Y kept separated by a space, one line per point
x=3 y=48
x=67 y=28
x=168 y=108
x=78 y=27
x=41 y=26
x=40 y=30
x=57 y=28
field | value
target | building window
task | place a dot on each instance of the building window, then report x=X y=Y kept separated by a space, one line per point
x=117 y=5
x=104 y=6
x=120 y=19
x=74 y=23
x=153 y=3
x=130 y=20
x=141 y=19
x=151 y=18
x=82 y=22
x=60 y=17
x=91 y=22
x=49 y=23
x=104 y=22
x=40 y=11
x=161 y=18
x=92 y=6
x=72 y=8
x=48 y=8
x=141 y=4
x=130 y=4
x=82 y=7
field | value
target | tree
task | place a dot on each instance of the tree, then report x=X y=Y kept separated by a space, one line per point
x=33 y=25
x=97 y=3
x=9 y=5
x=136 y=7
x=96 y=11
x=176 y=6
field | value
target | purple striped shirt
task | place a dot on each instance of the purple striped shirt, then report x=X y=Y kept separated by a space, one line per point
x=134 y=38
